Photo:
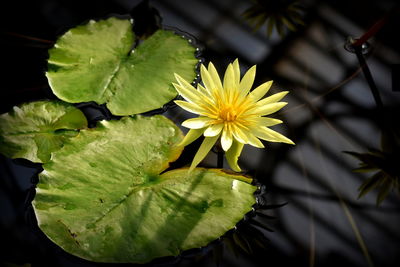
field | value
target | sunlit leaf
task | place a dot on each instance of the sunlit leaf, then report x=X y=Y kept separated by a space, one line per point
x=95 y=62
x=102 y=196
x=33 y=131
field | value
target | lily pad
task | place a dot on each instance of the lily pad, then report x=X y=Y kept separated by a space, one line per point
x=95 y=62
x=34 y=130
x=104 y=198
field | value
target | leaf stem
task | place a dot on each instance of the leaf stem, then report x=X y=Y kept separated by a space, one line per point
x=30 y=38
x=373 y=30
x=369 y=78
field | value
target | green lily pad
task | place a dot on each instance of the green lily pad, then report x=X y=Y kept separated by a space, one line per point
x=102 y=196
x=95 y=62
x=34 y=130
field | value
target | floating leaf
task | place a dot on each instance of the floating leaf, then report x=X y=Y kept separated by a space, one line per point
x=95 y=62
x=34 y=130
x=102 y=196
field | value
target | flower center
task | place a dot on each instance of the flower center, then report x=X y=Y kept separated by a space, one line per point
x=228 y=113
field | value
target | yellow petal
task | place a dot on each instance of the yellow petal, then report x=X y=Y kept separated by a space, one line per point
x=229 y=84
x=265 y=110
x=244 y=134
x=208 y=102
x=188 y=95
x=214 y=130
x=207 y=79
x=226 y=138
x=260 y=91
x=263 y=121
x=214 y=75
x=183 y=82
x=191 y=107
x=192 y=95
x=203 y=90
x=197 y=123
x=254 y=141
x=192 y=135
x=273 y=98
x=247 y=82
x=239 y=134
x=204 y=148
x=270 y=135
x=236 y=70
x=233 y=154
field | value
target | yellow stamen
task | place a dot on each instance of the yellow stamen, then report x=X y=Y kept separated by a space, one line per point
x=227 y=113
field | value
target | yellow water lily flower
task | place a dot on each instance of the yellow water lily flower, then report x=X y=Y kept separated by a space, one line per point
x=229 y=112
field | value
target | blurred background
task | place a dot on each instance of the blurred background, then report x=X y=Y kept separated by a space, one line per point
x=331 y=110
